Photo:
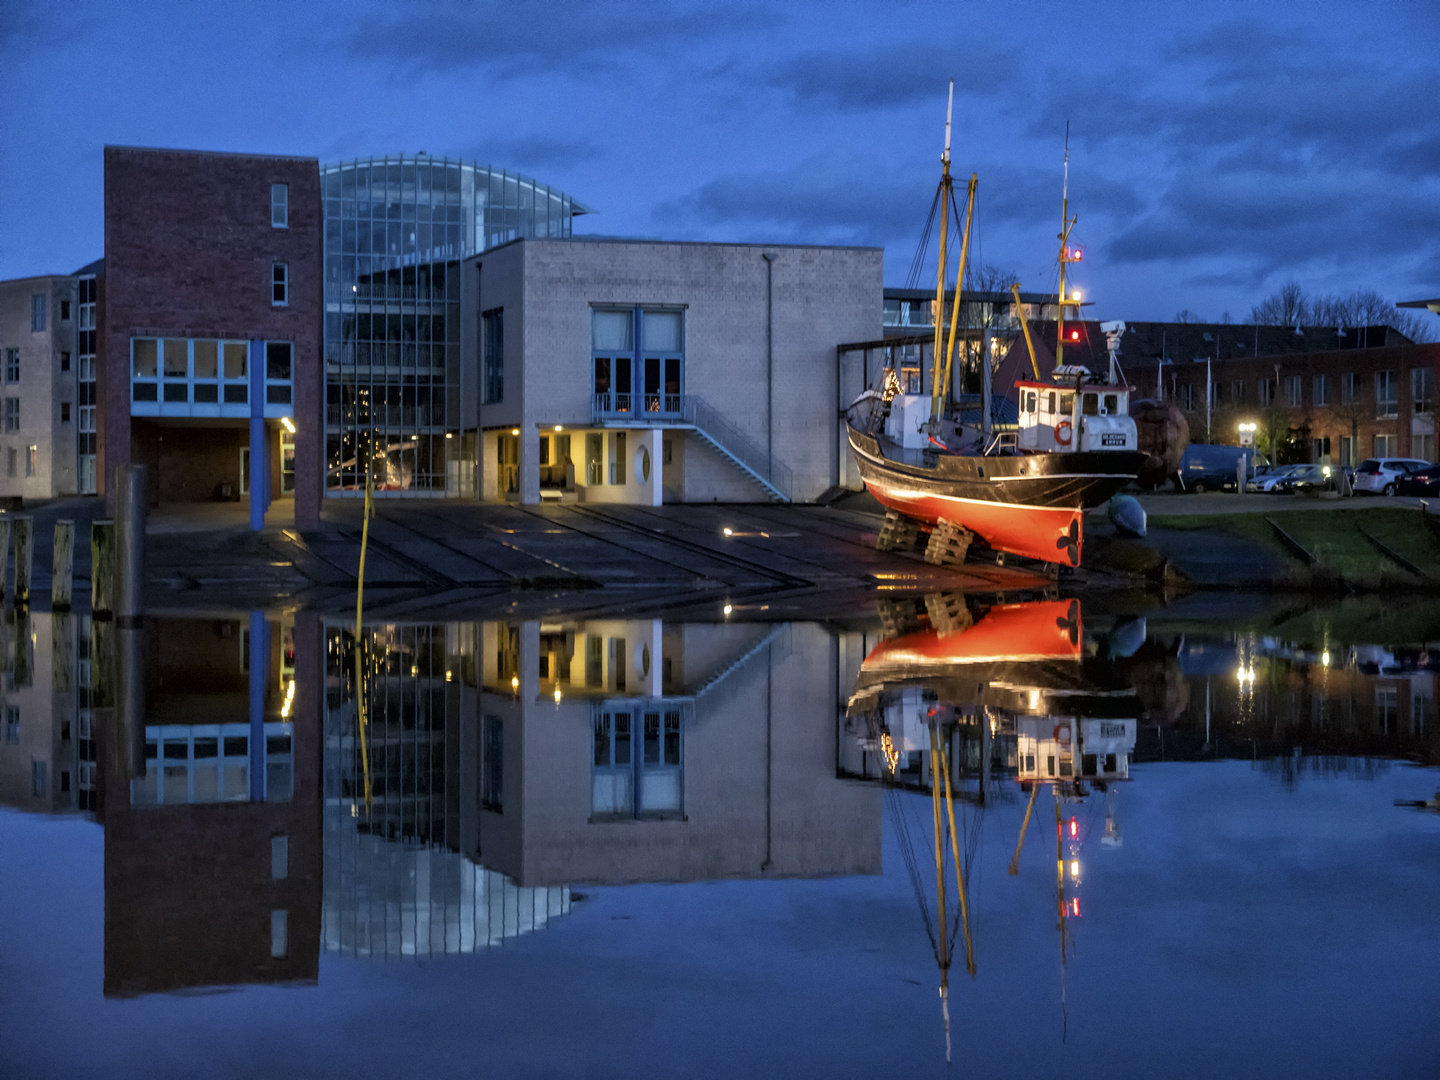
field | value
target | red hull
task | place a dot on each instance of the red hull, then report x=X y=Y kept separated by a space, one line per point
x=1040 y=630
x=1048 y=533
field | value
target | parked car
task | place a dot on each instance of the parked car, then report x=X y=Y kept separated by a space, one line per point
x=1271 y=481
x=1212 y=468
x=1424 y=481
x=1378 y=476
x=1305 y=478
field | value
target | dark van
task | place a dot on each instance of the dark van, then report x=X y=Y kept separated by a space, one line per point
x=1213 y=468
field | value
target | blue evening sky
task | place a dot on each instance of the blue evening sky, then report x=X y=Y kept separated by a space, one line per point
x=1217 y=149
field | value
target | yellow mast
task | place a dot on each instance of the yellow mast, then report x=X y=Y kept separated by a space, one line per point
x=1025 y=327
x=1066 y=255
x=1020 y=843
x=942 y=386
x=360 y=718
x=946 y=188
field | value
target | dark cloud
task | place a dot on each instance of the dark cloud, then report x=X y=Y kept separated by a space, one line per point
x=889 y=76
x=539 y=36
x=535 y=151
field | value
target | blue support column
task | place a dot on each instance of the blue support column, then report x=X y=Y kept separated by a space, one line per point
x=259 y=664
x=259 y=464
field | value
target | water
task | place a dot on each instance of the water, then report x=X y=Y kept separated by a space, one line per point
x=628 y=847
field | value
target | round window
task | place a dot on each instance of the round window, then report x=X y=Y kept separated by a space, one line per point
x=642 y=661
x=642 y=464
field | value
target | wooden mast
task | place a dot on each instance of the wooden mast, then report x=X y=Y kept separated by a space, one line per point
x=945 y=195
x=1066 y=255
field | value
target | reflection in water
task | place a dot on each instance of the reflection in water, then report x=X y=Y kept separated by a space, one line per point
x=510 y=761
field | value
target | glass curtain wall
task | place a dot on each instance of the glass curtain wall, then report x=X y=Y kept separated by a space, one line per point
x=396 y=229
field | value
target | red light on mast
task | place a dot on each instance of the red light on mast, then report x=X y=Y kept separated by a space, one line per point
x=1074 y=828
x=1074 y=335
x=1075 y=255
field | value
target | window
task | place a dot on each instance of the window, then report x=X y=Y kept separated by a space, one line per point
x=1387 y=395
x=12 y=414
x=279 y=853
x=1294 y=391
x=1321 y=388
x=612 y=350
x=1385 y=445
x=87 y=369
x=87 y=419
x=279 y=368
x=617 y=458
x=1423 y=446
x=1266 y=392
x=12 y=365
x=279 y=206
x=492 y=338
x=279 y=934
x=1187 y=397
x=594 y=458
x=279 y=284
x=625 y=783
x=1347 y=449
x=64 y=310
x=12 y=724
x=65 y=412
x=64 y=360
x=1422 y=389
x=1320 y=449
x=37 y=778
x=1237 y=391
x=37 y=313
x=1349 y=388
x=11 y=458
x=31 y=453
x=492 y=778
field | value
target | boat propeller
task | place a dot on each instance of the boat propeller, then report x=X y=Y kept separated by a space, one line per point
x=1071 y=621
x=1070 y=543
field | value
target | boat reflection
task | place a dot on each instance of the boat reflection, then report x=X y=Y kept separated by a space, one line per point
x=964 y=699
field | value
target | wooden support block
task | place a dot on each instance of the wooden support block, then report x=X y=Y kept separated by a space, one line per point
x=102 y=568
x=897 y=617
x=948 y=612
x=949 y=544
x=24 y=557
x=898 y=532
x=64 y=566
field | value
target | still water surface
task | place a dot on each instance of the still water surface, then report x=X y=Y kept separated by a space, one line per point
x=630 y=847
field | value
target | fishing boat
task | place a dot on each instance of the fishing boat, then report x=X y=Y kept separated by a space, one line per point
x=1022 y=492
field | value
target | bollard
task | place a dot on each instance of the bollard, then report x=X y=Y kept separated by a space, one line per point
x=24 y=558
x=129 y=544
x=62 y=651
x=24 y=669
x=5 y=524
x=102 y=569
x=130 y=697
x=64 y=566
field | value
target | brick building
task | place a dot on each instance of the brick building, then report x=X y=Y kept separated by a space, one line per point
x=211 y=321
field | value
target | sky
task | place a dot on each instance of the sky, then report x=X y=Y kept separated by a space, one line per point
x=1216 y=150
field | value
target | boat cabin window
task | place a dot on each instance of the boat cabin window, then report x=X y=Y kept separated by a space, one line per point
x=1091 y=404
x=1050 y=402
x=1112 y=404
x=1030 y=401
x=1067 y=403
x=910 y=380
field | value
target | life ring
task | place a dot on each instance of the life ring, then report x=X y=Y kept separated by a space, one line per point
x=1062 y=433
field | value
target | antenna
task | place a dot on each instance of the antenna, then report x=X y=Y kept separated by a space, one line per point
x=949 y=107
x=1065 y=189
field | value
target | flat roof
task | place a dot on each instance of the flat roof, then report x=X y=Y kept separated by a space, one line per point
x=212 y=153
x=590 y=239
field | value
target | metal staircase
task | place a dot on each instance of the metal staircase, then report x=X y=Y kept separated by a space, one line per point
x=736 y=447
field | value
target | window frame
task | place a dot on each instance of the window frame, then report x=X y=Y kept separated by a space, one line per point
x=1387 y=407
x=280 y=219
x=492 y=356
x=39 y=310
x=279 y=284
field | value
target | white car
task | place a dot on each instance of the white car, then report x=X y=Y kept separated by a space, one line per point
x=1378 y=475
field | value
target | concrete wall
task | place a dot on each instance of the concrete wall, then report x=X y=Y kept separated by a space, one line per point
x=188 y=253
x=821 y=297
x=42 y=389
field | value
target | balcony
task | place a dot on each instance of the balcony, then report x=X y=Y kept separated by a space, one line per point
x=638 y=408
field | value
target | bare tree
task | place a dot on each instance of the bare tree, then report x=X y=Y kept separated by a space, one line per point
x=1185 y=315
x=1284 y=308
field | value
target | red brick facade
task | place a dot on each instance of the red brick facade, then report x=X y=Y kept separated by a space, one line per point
x=1333 y=419
x=188 y=253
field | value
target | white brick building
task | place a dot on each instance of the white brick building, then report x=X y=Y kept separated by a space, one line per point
x=39 y=410
x=640 y=372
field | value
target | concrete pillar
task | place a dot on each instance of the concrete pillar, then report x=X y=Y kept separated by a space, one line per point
x=259 y=657
x=529 y=661
x=129 y=544
x=651 y=679
x=129 y=691
x=489 y=449
x=529 y=465
x=648 y=456
x=259 y=464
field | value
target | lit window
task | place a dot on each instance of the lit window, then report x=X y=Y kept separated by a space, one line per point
x=280 y=206
x=279 y=284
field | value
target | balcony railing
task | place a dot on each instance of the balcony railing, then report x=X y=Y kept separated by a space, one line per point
x=638 y=406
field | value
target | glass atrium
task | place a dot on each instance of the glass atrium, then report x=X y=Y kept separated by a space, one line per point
x=396 y=229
